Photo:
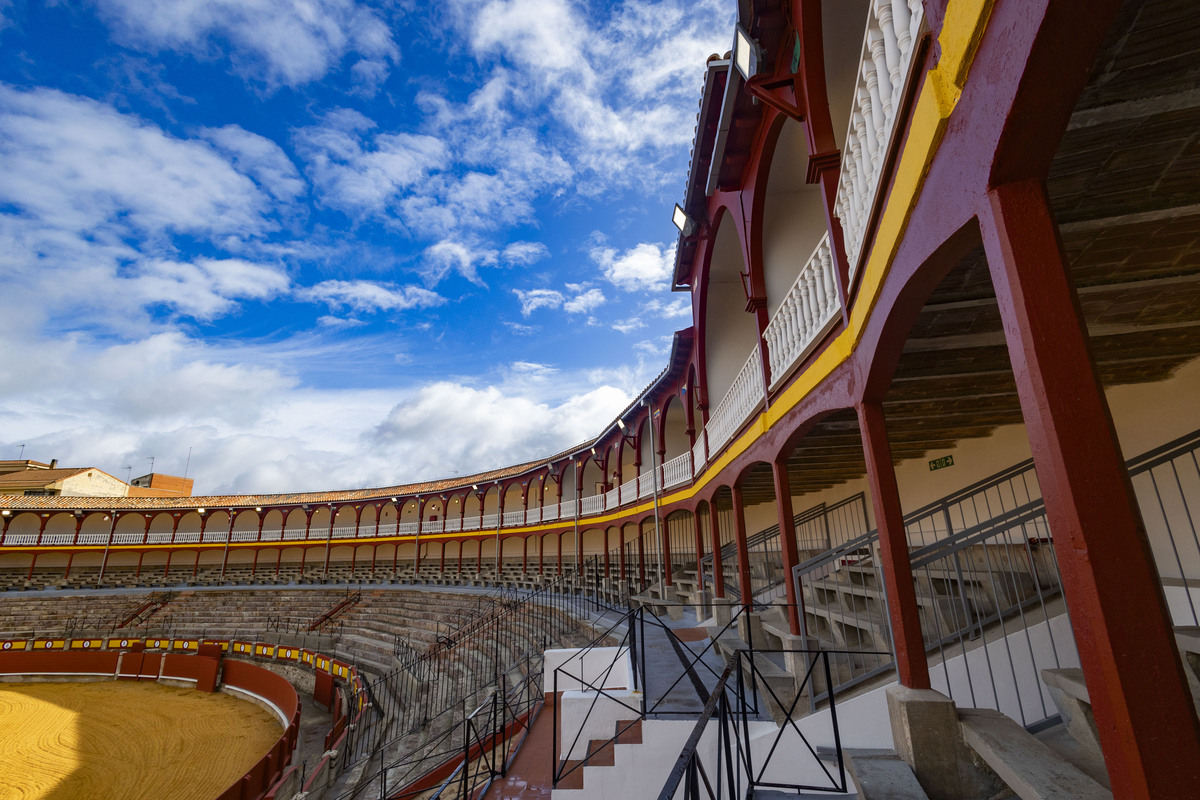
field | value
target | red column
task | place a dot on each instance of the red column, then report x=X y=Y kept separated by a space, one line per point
x=739 y=538
x=698 y=535
x=718 y=566
x=1148 y=729
x=560 y=552
x=525 y=552
x=911 y=665
x=787 y=539
x=607 y=571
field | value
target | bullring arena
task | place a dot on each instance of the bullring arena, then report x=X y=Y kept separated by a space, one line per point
x=124 y=739
x=912 y=503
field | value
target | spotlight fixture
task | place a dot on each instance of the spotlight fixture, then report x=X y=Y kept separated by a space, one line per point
x=747 y=54
x=686 y=225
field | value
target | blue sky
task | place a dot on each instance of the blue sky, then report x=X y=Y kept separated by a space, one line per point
x=328 y=243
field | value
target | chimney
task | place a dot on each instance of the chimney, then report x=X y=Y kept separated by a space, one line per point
x=53 y=463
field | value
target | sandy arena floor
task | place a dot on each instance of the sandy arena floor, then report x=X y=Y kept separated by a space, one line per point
x=125 y=740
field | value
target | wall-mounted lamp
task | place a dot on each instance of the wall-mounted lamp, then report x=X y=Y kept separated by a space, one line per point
x=686 y=225
x=621 y=424
x=198 y=511
x=747 y=54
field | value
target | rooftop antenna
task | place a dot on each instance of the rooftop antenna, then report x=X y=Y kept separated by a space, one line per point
x=188 y=463
x=22 y=456
x=128 y=472
x=151 y=464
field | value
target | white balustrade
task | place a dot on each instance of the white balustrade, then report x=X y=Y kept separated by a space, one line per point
x=743 y=398
x=123 y=538
x=245 y=536
x=593 y=504
x=431 y=526
x=805 y=314
x=189 y=537
x=513 y=519
x=612 y=498
x=16 y=539
x=698 y=455
x=567 y=509
x=454 y=524
x=58 y=538
x=887 y=51
x=629 y=490
x=471 y=523
x=290 y=534
x=550 y=513
x=84 y=538
x=489 y=522
x=406 y=529
x=645 y=485
x=272 y=535
x=678 y=470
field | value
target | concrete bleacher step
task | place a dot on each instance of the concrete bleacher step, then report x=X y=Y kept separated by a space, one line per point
x=1031 y=769
x=882 y=775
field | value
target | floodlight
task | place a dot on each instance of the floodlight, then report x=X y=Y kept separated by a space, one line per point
x=686 y=224
x=746 y=53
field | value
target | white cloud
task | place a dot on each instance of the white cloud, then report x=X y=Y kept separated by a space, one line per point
x=643 y=267
x=581 y=300
x=524 y=253
x=361 y=175
x=95 y=200
x=260 y=158
x=288 y=42
x=206 y=287
x=369 y=296
x=584 y=302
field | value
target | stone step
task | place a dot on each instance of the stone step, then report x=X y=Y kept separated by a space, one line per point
x=883 y=775
x=1031 y=769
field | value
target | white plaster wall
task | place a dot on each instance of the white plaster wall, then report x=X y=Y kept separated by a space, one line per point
x=588 y=664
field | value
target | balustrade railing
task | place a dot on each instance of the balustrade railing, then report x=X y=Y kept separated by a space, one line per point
x=699 y=455
x=742 y=399
x=678 y=470
x=887 y=51
x=612 y=498
x=645 y=485
x=804 y=315
x=592 y=505
x=514 y=518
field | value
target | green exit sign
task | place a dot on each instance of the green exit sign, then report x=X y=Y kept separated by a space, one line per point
x=941 y=463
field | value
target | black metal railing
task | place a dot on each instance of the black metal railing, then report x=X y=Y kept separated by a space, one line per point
x=740 y=763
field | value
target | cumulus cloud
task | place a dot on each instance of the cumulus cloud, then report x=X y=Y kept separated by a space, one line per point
x=93 y=201
x=621 y=122
x=274 y=42
x=578 y=299
x=362 y=174
x=479 y=428
x=260 y=158
x=643 y=267
x=369 y=296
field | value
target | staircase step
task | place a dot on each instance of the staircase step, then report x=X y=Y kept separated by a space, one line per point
x=883 y=775
x=1030 y=768
x=572 y=776
x=601 y=753
x=629 y=731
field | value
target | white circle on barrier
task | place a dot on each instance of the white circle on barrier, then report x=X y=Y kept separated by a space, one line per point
x=8 y=645
x=124 y=643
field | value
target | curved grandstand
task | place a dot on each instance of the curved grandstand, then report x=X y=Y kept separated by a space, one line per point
x=930 y=443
